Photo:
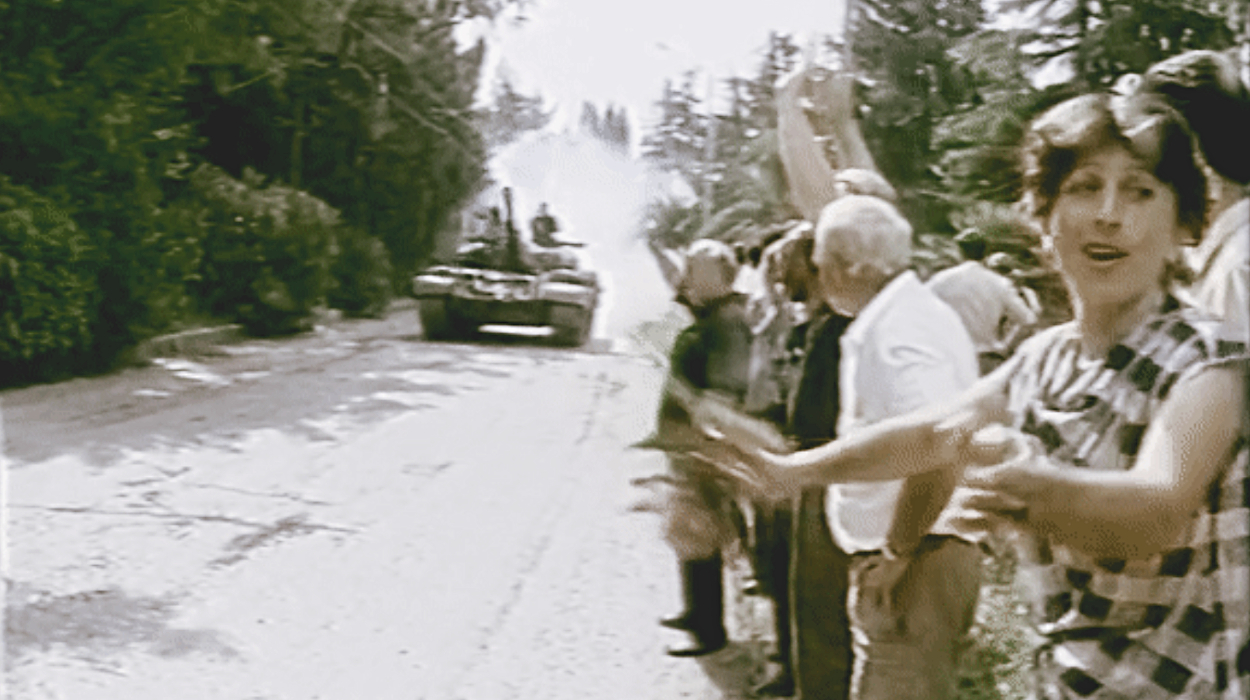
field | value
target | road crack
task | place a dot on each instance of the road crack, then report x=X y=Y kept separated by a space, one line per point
x=172 y=515
x=592 y=412
x=259 y=494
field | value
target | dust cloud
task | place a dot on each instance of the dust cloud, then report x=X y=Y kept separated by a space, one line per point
x=598 y=196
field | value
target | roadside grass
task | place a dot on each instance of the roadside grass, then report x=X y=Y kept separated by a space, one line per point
x=996 y=664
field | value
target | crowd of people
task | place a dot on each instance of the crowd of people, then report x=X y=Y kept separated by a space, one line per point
x=882 y=433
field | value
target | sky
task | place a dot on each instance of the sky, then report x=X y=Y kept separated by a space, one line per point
x=622 y=52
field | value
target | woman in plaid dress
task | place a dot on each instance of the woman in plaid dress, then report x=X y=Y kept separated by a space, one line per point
x=1121 y=474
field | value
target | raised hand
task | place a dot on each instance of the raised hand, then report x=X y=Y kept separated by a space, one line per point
x=832 y=95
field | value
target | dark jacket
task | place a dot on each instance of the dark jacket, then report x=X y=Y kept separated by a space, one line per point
x=814 y=401
x=714 y=352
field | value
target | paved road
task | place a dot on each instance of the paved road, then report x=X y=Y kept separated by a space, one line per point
x=352 y=514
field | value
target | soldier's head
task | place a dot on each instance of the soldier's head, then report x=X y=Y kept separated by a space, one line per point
x=710 y=268
x=861 y=244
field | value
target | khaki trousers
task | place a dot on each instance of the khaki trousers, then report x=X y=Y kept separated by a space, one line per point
x=912 y=651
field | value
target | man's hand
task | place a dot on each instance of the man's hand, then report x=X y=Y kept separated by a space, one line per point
x=793 y=86
x=760 y=474
x=875 y=586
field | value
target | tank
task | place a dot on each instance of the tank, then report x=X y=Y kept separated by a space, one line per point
x=502 y=281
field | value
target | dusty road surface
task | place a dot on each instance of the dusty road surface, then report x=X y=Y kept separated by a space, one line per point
x=353 y=514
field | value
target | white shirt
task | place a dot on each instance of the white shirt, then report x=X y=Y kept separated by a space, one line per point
x=1222 y=264
x=905 y=350
x=983 y=299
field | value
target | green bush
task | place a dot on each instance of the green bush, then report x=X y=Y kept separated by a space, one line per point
x=267 y=251
x=362 y=274
x=47 y=289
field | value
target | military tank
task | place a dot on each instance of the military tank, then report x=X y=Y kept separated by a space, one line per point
x=503 y=282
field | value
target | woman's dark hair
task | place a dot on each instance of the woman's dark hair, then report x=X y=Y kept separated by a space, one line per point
x=1143 y=124
x=1205 y=88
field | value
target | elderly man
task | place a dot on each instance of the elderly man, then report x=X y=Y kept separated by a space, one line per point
x=816 y=655
x=912 y=593
x=712 y=355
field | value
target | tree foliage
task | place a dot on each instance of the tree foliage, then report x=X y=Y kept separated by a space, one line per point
x=1103 y=40
x=511 y=113
x=948 y=94
x=107 y=107
x=45 y=286
x=903 y=47
x=612 y=127
x=729 y=157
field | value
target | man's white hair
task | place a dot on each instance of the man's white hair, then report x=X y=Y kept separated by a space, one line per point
x=863 y=231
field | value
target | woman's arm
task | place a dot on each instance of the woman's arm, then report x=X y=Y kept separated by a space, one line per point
x=1142 y=511
x=897 y=448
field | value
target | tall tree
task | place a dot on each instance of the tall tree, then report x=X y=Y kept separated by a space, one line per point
x=678 y=141
x=903 y=46
x=589 y=121
x=511 y=113
x=1102 y=40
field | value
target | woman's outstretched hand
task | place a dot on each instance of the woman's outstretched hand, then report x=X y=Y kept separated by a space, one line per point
x=763 y=474
x=747 y=449
x=1011 y=475
x=992 y=504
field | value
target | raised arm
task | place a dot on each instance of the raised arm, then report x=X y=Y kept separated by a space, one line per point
x=834 y=97
x=808 y=173
x=668 y=262
x=812 y=180
x=1142 y=511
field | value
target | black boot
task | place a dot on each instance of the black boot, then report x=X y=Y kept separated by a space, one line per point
x=686 y=620
x=703 y=586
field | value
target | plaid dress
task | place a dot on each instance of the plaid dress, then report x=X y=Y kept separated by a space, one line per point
x=1173 y=625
